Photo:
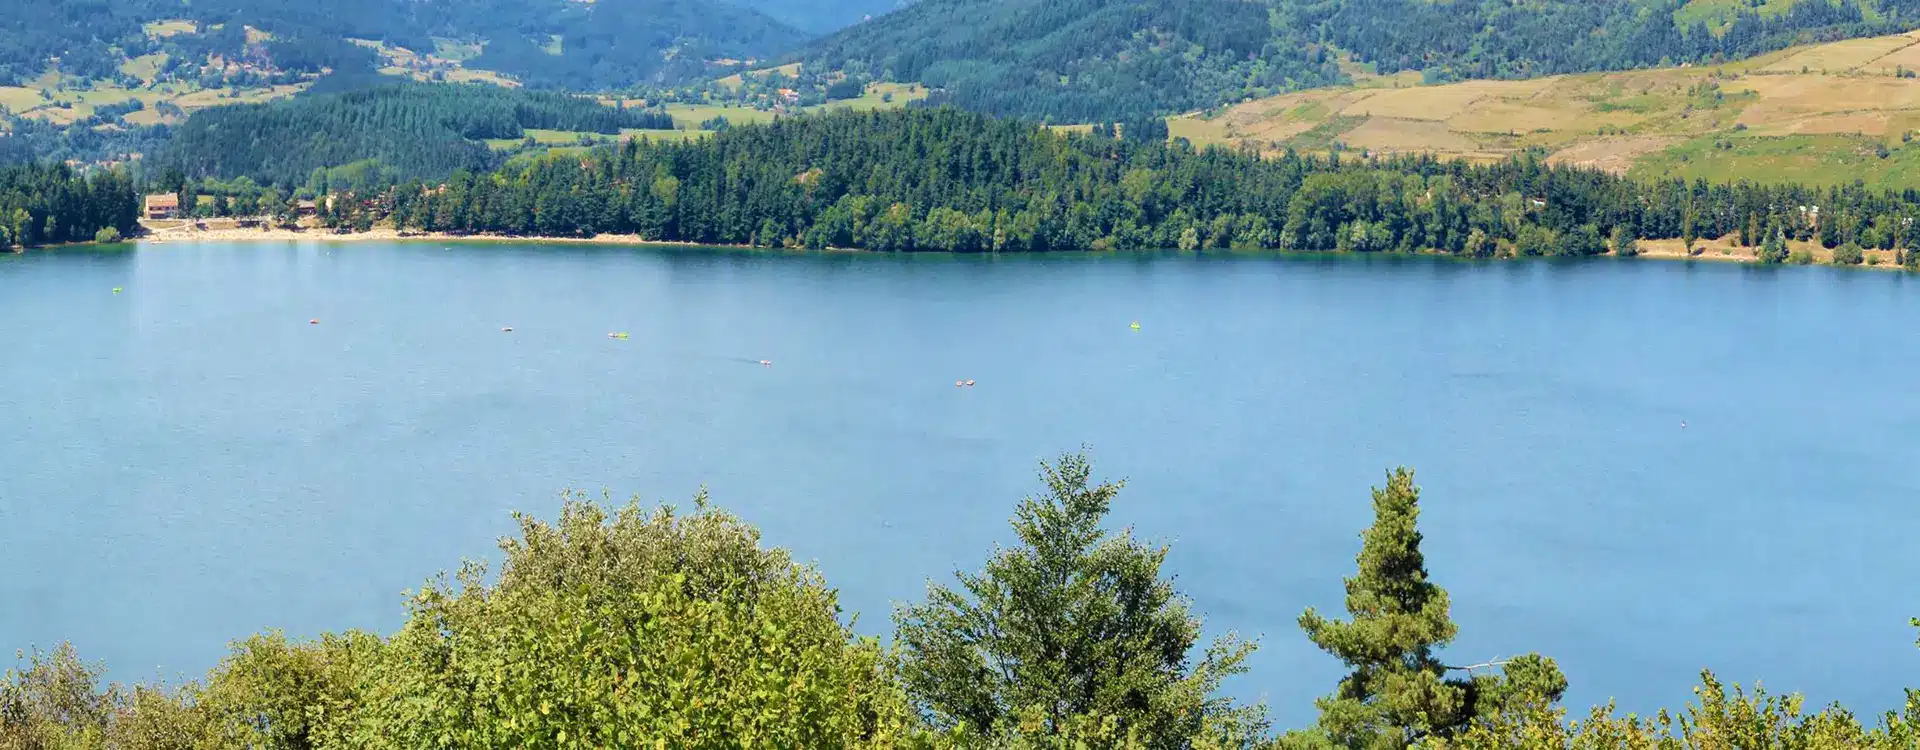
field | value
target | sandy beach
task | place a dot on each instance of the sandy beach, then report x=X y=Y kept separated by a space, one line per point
x=231 y=232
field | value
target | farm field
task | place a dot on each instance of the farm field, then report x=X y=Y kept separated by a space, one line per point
x=1822 y=114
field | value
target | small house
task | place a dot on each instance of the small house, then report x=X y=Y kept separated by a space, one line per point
x=306 y=208
x=162 y=206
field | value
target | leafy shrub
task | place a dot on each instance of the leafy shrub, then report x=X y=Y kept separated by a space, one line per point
x=106 y=235
x=1849 y=254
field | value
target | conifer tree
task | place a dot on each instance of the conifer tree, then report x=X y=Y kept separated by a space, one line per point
x=1071 y=636
x=1399 y=692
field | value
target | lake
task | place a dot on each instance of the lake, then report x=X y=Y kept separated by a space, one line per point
x=190 y=460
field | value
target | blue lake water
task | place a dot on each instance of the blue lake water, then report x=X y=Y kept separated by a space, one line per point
x=190 y=460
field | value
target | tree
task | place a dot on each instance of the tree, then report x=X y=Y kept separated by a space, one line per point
x=1848 y=254
x=1072 y=634
x=616 y=626
x=1623 y=243
x=1774 y=250
x=1398 y=692
x=1830 y=229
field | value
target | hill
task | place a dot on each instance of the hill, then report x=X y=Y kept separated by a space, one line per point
x=407 y=130
x=1086 y=60
x=823 y=16
x=600 y=44
x=1824 y=114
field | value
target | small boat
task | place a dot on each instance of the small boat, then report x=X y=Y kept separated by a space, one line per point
x=1136 y=325
x=617 y=335
x=313 y=322
x=766 y=363
x=959 y=383
x=969 y=384
x=506 y=329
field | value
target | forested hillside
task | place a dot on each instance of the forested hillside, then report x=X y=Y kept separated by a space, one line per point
x=600 y=44
x=411 y=129
x=822 y=16
x=1088 y=60
x=953 y=181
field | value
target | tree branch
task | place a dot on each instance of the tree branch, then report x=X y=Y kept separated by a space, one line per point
x=1488 y=664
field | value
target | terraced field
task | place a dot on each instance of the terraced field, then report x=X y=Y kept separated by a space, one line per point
x=1829 y=113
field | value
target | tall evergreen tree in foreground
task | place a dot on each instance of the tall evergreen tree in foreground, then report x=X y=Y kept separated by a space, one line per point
x=1399 y=692
x=1071 y=636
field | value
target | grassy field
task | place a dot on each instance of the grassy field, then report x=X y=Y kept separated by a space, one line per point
x=881 y=96
x=164 y=29
x=1756 y=119
x=1719 y=14
x=560 y=141
x=690 y=116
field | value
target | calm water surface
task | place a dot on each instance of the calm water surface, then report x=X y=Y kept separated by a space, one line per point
x=190 y=461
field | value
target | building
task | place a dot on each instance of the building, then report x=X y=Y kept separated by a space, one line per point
x=163 y=206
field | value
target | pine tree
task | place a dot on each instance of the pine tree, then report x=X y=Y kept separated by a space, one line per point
x=1775 y=248
x=1398 y=692
x=1073 y=635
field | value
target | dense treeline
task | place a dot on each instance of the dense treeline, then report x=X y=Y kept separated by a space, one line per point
x=635 y=628
x=33 y=139
x=49 y=204
x=416 y=129
x=953 y=181
x=1085 y=61
x=1496 y=39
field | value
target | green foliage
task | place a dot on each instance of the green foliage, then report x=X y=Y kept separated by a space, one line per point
x=271 y=693
x=107 y=236
x=42 y=205
x=1800 y=257
x=1848 y=254
x=54 y=702
x=628 y=627
x=1077 y=60
x=409 y=129
x=652 y=628
x=1622 y=242
x=1774 y=250
x=1398 y=693
x=1717 y=719
x=952 y=181
x=1074 y=633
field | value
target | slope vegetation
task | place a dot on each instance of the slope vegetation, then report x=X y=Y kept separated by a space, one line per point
x=1083 y=60
x=1823 y=114
x=602 y=43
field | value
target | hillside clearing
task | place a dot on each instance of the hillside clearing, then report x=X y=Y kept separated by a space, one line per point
x=1756 y=119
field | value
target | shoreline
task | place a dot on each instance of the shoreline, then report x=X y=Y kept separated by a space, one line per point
x=1712 y=251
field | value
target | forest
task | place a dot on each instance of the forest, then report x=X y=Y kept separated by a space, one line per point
x=1086 y=60
x=952 y=181
x=600 y=45
x=41 y=205
x=417 y=130
x=624 y=626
